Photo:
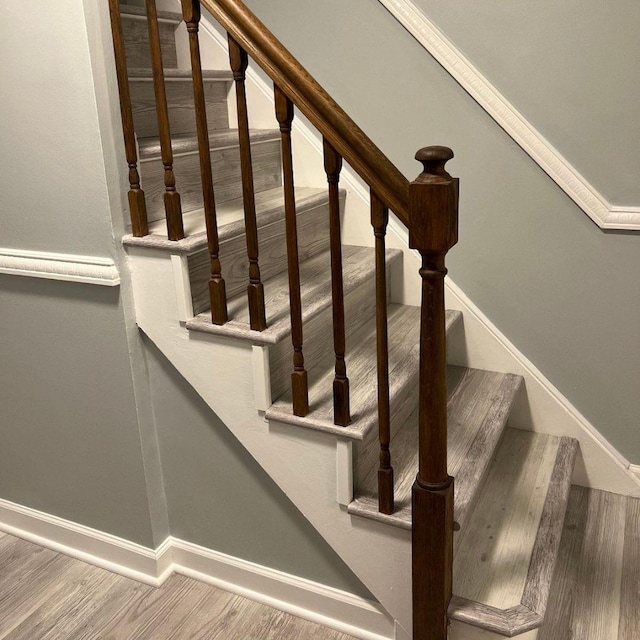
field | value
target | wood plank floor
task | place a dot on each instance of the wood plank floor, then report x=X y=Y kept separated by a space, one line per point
x=595 y=593
x=48 y=596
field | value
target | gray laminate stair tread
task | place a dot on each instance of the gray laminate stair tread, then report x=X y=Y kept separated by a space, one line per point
x=505 y=557
x=144 y=73
x=230 y=216
x=478 y=408
x=188 y=143
x=132 y=11
x=316 y=296
x=404 y=328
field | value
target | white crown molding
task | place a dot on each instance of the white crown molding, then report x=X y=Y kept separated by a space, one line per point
x=340 y=610
x=559 y=169
x=59 y=266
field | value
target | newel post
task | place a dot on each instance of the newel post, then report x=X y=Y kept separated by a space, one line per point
x=433 y=230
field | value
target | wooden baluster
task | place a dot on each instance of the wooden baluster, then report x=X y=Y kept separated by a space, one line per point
x=333 y=166
x=173 y=209
x=379 y=221
x=137 y=203
x=299 y=382
x=217 y=289
x=255 y=290
x=433 y=230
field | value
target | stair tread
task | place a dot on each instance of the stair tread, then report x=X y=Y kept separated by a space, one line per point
x=404 y=329
x=315 y=291
x=146 y=73
x=130 y=10
x=505 y=557
x=230 y=216
x=188 y=143
x=479 y=403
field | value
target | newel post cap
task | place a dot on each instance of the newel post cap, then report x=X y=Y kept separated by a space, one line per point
x=433 y=203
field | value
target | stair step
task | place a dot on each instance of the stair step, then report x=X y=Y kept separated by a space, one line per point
x=315 y=292
x=505 y=556
x=404 y=328
x=136 y=37
x=230 y=216
x=478 y=408
x=179 y=87
x=225 y=158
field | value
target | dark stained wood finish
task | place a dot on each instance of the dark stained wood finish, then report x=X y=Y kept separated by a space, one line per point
x=299 y=380
x=333 y=166
x=137 y=203
x=315 y=103
x=255 y=290
x=173 y=209
x=217 y=288
x=432 y=231
x=379 y=222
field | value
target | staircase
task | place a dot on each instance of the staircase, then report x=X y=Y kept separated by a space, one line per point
x=511 y=487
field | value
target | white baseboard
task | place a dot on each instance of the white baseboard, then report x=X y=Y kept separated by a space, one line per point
x=339 y=610
x=59 y=266
x=318 y=603
x=84 y=543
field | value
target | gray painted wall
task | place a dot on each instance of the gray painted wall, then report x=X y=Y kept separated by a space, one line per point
x=69 y=426
x=571 y=68
x=563 y=291
x=219 y=497
x=69 y=431
x=77 y=438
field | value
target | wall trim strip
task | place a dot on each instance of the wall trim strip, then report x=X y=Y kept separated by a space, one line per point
x=340 y=610
x=558 y=168
x=59 y=266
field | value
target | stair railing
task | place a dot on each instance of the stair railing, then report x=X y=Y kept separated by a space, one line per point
x=428 y=207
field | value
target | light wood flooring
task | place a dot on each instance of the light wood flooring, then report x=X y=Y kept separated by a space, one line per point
x=48 y=596
x=595 y=593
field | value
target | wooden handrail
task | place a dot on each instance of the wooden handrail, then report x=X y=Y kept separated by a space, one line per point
x=315 y=103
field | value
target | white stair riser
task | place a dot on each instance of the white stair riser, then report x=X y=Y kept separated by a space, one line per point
x=181 y=108
x=136 y=40
x=226 y=176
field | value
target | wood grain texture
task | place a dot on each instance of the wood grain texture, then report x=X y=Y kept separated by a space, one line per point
x=545 y=550
x=560 y=611
x=597 y=605
x=361 y=360
x=230 y=221
x=216 y=284
x=235 y=265
x=225 y=159
x=171 y=195
x=314 y=102
x=494 y=549
x=596 y=585
x=54 y=597
x=137 y=39
x=181 y=107
x=479 y=403
x=630 y=595
x=136 y=197
x=359 y=291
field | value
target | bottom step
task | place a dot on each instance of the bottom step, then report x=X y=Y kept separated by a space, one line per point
x=505 y=556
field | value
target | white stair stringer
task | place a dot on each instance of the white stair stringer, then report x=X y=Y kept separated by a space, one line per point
x=302 y=462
